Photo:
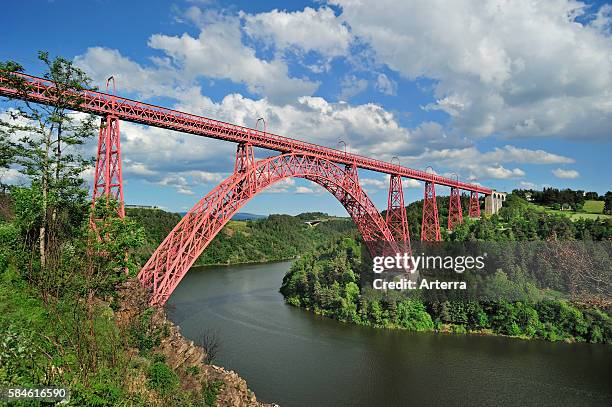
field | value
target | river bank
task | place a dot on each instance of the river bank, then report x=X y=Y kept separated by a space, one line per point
x=293 y=357
x=183 y=356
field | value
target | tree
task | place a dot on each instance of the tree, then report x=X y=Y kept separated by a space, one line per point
x=210 y=342
x=45 y=141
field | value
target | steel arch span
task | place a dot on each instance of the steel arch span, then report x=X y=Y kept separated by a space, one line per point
x=177 y=253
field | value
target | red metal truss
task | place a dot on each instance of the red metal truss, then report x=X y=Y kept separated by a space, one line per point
x=474 y=205
x=108 y=179
x=40 y=90
x=455 y=214
x=430 y=226
x=396 y=212
x=173 y=258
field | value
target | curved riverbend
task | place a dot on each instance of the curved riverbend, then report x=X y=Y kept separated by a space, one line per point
x=295 y=358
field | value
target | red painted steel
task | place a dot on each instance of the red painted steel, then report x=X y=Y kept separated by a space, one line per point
x=173 y=258
x=108 y=179
x=430 y=226
x=194 y=232
x=455 y=213
x=40 y=90
x=396 y=211
x=474 y=205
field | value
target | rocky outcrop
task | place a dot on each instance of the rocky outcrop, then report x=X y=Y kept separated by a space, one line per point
x=183 y=355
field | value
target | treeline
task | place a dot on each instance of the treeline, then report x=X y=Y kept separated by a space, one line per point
x=554 y=196
x=519 y=221
x=329 y=282
x=334 y=280
x=277 y=237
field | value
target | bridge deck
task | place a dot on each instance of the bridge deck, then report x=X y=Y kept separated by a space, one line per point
x=41 y=90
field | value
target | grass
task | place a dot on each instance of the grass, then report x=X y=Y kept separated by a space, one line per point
x=593 y=206
x=577 y=215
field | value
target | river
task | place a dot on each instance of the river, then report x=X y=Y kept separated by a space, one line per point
x=295 y=358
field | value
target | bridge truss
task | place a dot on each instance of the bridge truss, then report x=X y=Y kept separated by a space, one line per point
x=320 y=164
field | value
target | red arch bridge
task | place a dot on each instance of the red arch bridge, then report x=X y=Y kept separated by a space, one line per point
x=333 y=169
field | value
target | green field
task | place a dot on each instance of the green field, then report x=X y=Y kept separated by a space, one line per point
x=593 y=206
x=592 y=210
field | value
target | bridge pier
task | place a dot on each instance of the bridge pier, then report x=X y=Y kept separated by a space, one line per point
x=108 y=178
x=455 y=213
x=430 y=225
x=474 y=205
x=396 y=212
x=494 y=202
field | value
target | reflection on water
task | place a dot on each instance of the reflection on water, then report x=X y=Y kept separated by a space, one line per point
x=292 y=357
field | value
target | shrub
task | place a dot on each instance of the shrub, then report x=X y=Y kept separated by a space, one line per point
x=162 y=379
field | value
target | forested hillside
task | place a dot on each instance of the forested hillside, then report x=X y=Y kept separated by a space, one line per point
x=333 y=281
x=277 y=237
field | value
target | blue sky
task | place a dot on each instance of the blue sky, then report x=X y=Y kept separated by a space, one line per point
x=508 y=96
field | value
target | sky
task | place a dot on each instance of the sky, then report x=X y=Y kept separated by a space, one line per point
x=505 y=94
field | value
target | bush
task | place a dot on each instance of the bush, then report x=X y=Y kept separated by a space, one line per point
x=210 y=391
x=162 y=379
x=411 y=314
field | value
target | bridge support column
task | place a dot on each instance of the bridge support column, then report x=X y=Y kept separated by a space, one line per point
x=430 y=226
x=244 y=161
x=474 y=205
x=455 y=214
x=108 y=180
x=396 y=212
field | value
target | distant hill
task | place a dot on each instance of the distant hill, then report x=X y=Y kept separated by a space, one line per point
x=264 y=238
x=247 y=216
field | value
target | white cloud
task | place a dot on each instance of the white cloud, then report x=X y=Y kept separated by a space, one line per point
x=11 y=176
x=523 y=155
x=378 y=183
x=281 y=186
x=500 y=172
x=374 y=182
x=472 y=164
x=351 y=86
x=309 y=190
x=159 y=80
x=217 y=53
x=536 y=73
x=310 y=30
x=528 y=185
x=561 y=173
x=386 y=85
x=411 y=183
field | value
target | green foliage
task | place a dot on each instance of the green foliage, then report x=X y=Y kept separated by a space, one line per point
x=411 y=314
x=210 y=392
x=162 y=379
x=143 y=335
x=591 y=206
x=327 y=279
x=58 y=275
x=277 y=237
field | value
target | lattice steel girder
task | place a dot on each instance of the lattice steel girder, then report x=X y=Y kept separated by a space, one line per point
x=396 y=218
x=173 y=258
x=41 y=90
x=455 y=214
x=108 y=178
x=474 y=205
x=430 y=226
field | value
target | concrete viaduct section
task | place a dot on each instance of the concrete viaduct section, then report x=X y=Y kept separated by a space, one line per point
x=494 y=202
